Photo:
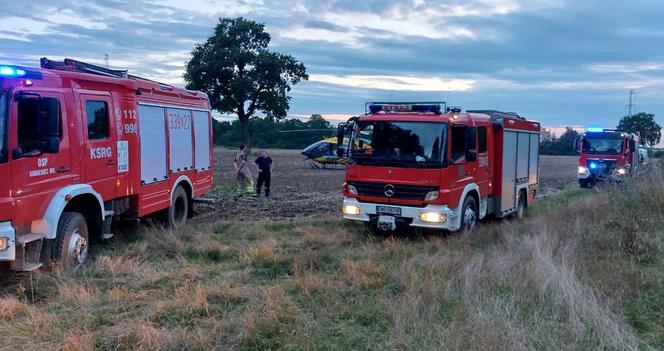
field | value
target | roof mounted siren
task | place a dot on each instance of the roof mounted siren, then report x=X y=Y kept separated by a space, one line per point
x=405 y=107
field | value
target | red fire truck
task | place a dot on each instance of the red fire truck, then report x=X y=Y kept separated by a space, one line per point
x=607 y=154
x=421 y=165
x=83 y=146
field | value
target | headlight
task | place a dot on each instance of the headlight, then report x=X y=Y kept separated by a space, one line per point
x=621 y=171
x=351 y=189
x=432 y=195
x=583 y=170
x=351 y=210
x=432 y=217
x=4 y=244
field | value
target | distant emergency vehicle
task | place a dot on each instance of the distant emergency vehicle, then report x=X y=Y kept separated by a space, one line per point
x=83 y=146
x=607 y=154
x=424 y=166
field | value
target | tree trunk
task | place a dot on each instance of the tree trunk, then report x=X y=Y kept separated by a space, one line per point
x=244 y=125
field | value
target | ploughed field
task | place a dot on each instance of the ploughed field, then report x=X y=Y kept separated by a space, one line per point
x=300 y=191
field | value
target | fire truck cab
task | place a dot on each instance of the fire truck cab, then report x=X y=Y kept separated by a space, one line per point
x=607 y=155
x=82 y=147
x=422 y=165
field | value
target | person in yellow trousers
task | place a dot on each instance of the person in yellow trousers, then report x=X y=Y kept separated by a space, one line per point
x=242 y=171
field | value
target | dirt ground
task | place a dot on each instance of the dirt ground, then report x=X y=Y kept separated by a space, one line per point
x=300 y=191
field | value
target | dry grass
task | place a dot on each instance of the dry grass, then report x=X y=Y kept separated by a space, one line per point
x=10 y=307
x=584 y=271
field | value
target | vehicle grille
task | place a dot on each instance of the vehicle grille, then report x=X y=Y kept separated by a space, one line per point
x=403 y=192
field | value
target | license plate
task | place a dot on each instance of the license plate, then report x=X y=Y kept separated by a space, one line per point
x=388 y=210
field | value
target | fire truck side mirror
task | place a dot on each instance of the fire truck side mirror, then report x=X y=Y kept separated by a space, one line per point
x=341 y=128
x=577 y=145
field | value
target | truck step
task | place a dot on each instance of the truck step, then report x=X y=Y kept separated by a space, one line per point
x=28 y=238
x=107 y=236
x=27 y=266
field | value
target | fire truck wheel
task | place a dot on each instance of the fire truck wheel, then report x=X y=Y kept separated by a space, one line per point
x=584 y=184
x=72 y=241
x=521 y=206
x=179 y=210
x=468 y=214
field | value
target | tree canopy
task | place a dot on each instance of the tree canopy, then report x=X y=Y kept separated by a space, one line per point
x=241 y=75
x=644 y=125
x=552 y=145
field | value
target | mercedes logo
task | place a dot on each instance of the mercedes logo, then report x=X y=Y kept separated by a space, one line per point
x=389 y=190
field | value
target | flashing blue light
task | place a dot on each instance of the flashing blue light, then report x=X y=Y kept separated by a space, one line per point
x=9 y=71
x=593 y=165
x=595 y=129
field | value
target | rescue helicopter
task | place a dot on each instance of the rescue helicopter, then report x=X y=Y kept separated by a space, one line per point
x=323 y=153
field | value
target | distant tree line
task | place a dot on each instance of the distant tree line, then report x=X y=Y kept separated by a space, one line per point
x=550 y=144
x=274 y=134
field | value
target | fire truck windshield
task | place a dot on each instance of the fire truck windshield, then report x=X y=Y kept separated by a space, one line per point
x=602 y=146
x=4 y=116
x=400 y=144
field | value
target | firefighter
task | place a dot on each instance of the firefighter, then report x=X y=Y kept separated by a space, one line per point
x=243 y=173
x=265 y=166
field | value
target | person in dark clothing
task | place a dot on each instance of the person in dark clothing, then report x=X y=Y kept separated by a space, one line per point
x=265 y=167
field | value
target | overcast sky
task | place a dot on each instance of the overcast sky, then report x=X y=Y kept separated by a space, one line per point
x=557 y=61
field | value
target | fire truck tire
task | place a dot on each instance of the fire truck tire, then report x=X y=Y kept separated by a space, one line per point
x=584 y=184
x=469 y=214
x=72 y=241
x=178 y=212
x=521 y=206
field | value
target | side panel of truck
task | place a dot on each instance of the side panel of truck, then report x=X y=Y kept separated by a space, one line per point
x=519 y=171
x=181 y=146
x=202 y=136
x=508 y=181
x=153 y=144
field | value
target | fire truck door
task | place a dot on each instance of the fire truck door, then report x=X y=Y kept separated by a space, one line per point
x=100 y=155
x=483 y=170
x=38 y=123
x=463 y=158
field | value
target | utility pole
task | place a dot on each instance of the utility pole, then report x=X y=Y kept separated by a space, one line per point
x=630 y=106
x=107 y=61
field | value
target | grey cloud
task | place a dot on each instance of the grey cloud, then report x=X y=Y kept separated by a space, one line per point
x=536 y=46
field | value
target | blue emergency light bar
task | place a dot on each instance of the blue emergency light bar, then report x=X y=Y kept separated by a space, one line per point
x=595 y=129
x=9 y=71
x=406 y=107
x=18 y=72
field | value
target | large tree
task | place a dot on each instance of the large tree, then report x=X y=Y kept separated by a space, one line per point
x=241 y=75
x=644 y=125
